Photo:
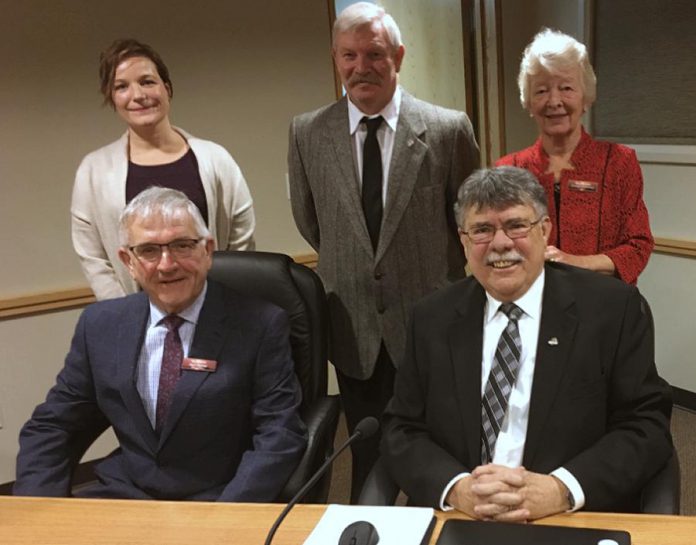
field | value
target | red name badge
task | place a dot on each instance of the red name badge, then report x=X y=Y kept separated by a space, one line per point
x=583 y=186
x=198 y=364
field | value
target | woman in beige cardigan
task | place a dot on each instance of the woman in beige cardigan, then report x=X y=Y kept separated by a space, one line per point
x=135 y=81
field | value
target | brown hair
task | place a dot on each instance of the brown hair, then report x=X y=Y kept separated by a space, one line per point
x=121 y=50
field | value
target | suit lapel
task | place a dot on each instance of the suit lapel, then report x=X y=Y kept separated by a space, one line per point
x=132 y=327
x=208 y=340
x=407 y=157
x=466 y=349
x=556 y=337
x=348 y=186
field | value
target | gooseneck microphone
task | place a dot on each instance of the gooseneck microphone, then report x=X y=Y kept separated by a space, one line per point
x=367 y=427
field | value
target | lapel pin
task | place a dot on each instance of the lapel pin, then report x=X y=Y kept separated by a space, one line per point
x=553 y=341
x=410 y=142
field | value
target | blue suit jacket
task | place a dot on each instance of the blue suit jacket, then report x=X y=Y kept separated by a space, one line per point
x=231 y=435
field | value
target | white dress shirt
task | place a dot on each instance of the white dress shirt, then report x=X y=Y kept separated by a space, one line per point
x=150 y=360
x=385 y=136
x=509 y=446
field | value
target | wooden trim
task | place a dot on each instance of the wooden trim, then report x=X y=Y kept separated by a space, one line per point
x=471 y=76
x=671 y=246
x=502 y=138
x=486 y=129
x=310 y=260
x=338 y=86
x=42 y=303
x=53 y=301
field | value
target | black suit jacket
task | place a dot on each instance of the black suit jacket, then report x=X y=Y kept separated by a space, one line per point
x=598 y=407
x=232 y=435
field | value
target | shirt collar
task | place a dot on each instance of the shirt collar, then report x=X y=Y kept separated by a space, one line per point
x=190 y=314
x=530 y=302
x=390 y=112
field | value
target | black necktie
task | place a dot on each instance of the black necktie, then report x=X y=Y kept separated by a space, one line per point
x=372 y=180
x=501 y=379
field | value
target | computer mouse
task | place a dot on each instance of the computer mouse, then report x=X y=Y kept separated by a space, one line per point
x=360 y=532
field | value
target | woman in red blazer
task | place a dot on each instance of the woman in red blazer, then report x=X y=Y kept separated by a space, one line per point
x=594 y=188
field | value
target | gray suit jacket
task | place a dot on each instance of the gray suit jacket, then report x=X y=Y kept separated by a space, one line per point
x=371 y=294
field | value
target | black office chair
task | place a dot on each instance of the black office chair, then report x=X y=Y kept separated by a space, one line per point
x=660 y=496
x=299 y=291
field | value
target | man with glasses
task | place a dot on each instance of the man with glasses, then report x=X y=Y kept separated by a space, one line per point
x=529 y=388
x=197 y=381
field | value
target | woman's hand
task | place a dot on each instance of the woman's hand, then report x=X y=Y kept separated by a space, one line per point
x=597 y=262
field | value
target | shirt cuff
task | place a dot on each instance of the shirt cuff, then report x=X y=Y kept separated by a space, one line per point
x=444 y=506
x=572 y=484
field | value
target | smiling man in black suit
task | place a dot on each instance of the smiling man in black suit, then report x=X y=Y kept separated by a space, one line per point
x=527 y=389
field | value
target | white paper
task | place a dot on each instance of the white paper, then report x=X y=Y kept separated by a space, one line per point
x=395 y=525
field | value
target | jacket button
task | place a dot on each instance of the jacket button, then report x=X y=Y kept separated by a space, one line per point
x=378 y=275
x=381 y=310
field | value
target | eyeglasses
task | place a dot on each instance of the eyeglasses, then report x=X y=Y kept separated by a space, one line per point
x=178 y=249
x=485 y=232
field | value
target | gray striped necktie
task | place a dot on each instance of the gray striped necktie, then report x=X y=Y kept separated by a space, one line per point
x=500 y=381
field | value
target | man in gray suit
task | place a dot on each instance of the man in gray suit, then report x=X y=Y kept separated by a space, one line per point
x=373 y=178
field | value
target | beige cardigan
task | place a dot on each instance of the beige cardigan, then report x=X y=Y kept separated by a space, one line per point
x=99 y=196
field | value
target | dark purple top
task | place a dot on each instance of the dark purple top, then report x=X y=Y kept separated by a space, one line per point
x=182 y=174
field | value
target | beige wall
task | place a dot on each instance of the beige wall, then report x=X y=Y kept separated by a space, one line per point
x=240 y=70
x=433 y=67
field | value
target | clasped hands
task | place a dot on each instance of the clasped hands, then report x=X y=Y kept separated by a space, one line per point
x=495 y=492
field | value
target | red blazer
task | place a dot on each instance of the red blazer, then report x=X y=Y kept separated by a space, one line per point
x=602 y=208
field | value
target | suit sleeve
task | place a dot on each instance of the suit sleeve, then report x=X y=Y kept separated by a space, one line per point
x=420 y=465
x=87 y=241
x=637 y=440
x=465 y=159
x=301 y=198
x=52 y=442
x=279 y=438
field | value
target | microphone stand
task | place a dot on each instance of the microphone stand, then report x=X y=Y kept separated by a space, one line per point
x=367 y=427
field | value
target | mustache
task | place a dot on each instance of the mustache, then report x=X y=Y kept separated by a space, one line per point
x=512 y=255
x=357 y=79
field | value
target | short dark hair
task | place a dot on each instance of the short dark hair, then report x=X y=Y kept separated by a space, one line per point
x=499 y=188
x=120 y=50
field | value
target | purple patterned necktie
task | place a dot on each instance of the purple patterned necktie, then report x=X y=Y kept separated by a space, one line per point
x=501 y=379
x=172 y=357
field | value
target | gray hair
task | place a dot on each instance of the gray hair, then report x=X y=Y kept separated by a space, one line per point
x=365 y=13
x=499 y=188
x=553 y=51
x=164 y=202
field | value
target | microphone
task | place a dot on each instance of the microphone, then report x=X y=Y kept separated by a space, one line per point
x=367 y=427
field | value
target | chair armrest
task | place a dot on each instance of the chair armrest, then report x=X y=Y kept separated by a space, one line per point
x=379 y=487
x=661 y=495
x=321 y=419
